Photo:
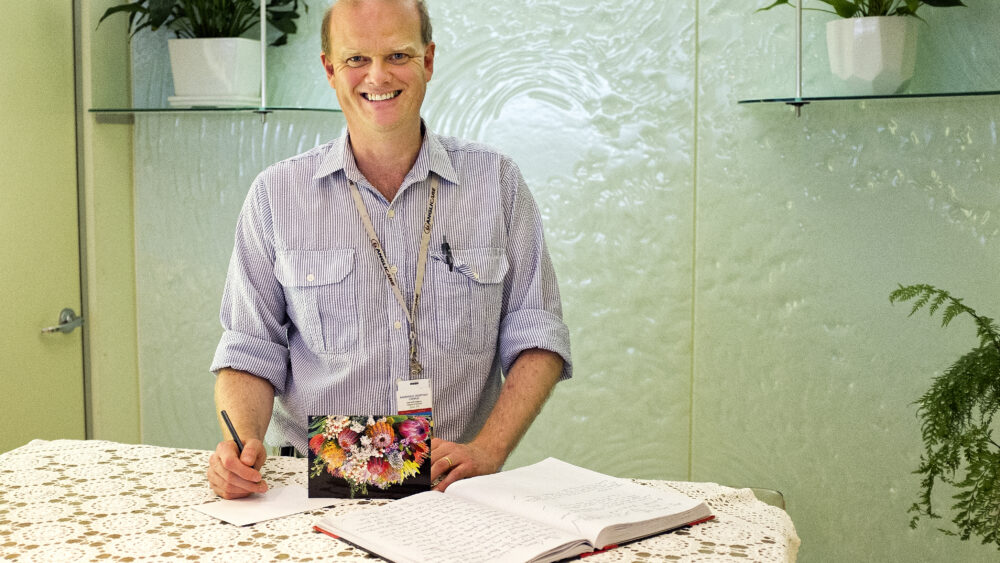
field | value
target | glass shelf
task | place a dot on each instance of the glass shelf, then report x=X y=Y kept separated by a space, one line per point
x=799 y=100
x=241 y=109
x=810 y=99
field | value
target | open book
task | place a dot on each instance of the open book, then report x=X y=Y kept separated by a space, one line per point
x=543 y=512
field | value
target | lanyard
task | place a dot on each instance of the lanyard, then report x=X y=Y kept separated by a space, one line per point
x=425 y=242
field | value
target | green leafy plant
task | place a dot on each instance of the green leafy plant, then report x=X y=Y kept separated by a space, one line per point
x=209 y=18
x=869 y=8
x=956 y=416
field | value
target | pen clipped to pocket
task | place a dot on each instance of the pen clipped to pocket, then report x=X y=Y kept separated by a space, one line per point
x=446 y=249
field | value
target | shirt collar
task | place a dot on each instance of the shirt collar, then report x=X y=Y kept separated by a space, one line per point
x=432 y=158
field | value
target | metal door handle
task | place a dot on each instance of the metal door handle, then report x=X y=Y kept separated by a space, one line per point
x=68 y=322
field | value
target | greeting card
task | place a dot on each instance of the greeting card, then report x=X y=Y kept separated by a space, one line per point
x=369 y=456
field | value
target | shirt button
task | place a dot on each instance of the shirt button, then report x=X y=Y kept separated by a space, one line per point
x=475 y=275
x=393 y=269
x=310 y=277
x=398 y=325
x=391 y=213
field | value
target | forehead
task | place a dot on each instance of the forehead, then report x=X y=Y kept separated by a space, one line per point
x=375 y=25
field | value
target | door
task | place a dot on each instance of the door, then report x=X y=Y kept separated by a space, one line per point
x=42 y=374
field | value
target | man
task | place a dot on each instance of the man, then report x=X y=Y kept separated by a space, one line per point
x=390 y=254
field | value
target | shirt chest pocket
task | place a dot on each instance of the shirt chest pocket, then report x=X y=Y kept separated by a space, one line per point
x=469 y=298
x=321 y=297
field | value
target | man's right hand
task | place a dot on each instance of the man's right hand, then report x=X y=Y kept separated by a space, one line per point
x=234 y=476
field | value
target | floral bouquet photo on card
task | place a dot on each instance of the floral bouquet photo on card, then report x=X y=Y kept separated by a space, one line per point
x=369 y=456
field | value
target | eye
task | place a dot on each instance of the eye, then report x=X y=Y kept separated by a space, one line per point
x=398 y=58
x=356 y=61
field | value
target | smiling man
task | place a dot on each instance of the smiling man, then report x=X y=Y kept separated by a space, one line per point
x=391 y=254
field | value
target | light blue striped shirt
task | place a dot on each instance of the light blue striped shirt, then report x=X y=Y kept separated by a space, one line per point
x=307 y=306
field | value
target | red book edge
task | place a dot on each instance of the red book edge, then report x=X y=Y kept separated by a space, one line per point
x=352 y=544
x=318 y=529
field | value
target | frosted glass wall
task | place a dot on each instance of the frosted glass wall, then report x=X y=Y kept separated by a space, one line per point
x=804 y=373
x=724 y=268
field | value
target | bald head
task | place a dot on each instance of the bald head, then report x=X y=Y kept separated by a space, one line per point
x=418 y=5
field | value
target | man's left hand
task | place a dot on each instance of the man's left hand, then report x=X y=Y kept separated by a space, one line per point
x=452 y=461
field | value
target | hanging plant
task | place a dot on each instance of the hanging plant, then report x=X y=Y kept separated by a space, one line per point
x=957 y=421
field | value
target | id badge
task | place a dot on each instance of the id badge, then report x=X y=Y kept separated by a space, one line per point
x=413 y=396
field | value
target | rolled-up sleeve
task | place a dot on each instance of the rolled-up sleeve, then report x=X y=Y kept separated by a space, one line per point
x=532 y=310
x=253 y=315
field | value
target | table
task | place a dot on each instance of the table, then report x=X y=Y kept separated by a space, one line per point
x=91 y=500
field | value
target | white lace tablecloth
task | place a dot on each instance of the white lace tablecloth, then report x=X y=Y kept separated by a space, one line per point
x=74 y=500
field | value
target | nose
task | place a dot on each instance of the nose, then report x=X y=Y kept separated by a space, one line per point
x=378 y=72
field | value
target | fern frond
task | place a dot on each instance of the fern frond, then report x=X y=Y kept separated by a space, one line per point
x=953 y=310
x=920 y=302
x=905 y=293
x=941 y=298
x=956 y=421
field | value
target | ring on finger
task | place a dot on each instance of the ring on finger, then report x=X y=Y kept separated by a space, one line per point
x=448 y=459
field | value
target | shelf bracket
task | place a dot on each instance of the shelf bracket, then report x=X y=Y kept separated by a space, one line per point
x=798 y=103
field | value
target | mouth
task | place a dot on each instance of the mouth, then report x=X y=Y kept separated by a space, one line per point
x=371 y=97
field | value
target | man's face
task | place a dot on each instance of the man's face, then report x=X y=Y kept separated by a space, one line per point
x=378 y=64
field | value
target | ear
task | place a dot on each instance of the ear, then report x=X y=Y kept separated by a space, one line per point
x=328 y=67
x=429 y=61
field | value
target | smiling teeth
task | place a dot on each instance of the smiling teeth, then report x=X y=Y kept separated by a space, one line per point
x=381 y=97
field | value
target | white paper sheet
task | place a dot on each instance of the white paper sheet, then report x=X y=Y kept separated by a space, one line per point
x=275 y=503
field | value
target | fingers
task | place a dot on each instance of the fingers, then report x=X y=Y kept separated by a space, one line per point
x=441 y=462
x=457 y=472
x=233 y=476
x=451 y=462
x=254 y=455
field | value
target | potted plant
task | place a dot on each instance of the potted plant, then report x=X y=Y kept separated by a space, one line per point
x=212 y=64
x=873 y=45
x=957 y=417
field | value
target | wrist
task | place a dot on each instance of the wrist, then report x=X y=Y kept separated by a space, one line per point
x=493 y=453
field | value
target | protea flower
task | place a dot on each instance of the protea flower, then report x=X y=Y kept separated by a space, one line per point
x=379 y=466
x=381 y=434
x=347 y=438
x=415 y=429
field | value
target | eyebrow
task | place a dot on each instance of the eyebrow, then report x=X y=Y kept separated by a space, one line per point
x=408 y=48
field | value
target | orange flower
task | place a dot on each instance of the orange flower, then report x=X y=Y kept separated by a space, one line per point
x=381 y=434
x=332 y=455
x=420 y=451
x=315 y=443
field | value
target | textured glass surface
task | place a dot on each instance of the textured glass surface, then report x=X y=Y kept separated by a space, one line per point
x=725 y=268
x=594 y=100
x=192 y=175
x=805 y=375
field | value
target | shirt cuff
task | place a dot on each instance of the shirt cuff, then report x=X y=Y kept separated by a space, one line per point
x=534 y=328
x=255 y=356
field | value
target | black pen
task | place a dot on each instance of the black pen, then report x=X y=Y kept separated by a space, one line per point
x=232 y=430
x=446 y=248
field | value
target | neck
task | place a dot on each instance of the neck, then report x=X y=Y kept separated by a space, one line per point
x=386 y=158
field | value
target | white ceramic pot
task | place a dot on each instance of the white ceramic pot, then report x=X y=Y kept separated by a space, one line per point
x=215 y=72
x=873 y=56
